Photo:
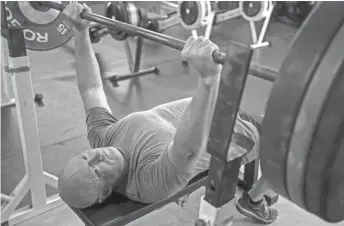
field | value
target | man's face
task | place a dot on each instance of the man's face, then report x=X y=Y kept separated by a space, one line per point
x=107 y=164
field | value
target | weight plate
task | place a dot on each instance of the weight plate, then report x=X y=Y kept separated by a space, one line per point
x=35 y=16
x=44 y=30
x=334 y=202
x=193 y=14
x=253 y=10
x=306 y=122
x=287 y=94
x=325 y=168
x=188 y=12
x=133 y=14
x=118 y=11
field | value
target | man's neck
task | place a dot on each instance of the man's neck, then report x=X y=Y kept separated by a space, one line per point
x=121 y=183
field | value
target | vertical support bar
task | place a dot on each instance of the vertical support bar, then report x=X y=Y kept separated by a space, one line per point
x=129 y=55
x=209 y=25
x=7 y=96
x=251 y=173
x=194 y=33
x=266 y=22
x=134 y=66
x=231 y=87
x=6 y=92
x=138 y=54
x=23 y=92
x=3 y=14
x=253 y=32
x=136 y=81
x=131 y=68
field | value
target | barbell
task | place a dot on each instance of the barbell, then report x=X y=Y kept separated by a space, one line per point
x=14 y=13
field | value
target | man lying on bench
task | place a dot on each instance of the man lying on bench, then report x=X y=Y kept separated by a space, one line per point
x=149 y=156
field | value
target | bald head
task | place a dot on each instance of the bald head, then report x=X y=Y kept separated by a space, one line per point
x=78 y=185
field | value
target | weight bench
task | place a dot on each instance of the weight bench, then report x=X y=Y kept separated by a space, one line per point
x=119 y=210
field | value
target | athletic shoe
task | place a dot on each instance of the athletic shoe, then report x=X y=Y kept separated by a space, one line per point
x=259 y=211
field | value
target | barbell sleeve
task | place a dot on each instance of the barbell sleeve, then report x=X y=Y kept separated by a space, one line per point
x=263 y=72
x=174 y=43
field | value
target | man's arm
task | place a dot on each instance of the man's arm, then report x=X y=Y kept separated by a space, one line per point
x=87 y=68
x=193 y=130
x=88 y=74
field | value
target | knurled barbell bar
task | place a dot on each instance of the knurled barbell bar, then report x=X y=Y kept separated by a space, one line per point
x=174 y=43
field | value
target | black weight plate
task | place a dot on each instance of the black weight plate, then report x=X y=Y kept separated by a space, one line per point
x=287 y=94
x=306 y=122
x=252 y=8
x=118 y=11
x=334 y=203
x=325 y=166
x=189 y=12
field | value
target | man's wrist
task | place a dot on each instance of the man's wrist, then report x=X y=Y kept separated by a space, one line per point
x=81 y=34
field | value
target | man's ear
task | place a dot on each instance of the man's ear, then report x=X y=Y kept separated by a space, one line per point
x=105 y=195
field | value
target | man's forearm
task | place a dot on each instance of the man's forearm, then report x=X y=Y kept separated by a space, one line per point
x=87 y=68
x=193 y=129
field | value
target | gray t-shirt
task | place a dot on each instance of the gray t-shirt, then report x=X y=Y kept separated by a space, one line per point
x=143 y=137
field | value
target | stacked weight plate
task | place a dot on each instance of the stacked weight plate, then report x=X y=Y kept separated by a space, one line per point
x=302 y=151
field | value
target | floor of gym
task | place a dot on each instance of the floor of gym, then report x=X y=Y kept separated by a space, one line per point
x=61 y=122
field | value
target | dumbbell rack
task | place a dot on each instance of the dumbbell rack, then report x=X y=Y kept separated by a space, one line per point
x=35 y=178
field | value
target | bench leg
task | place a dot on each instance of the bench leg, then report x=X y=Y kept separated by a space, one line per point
x=251 y=173
x=251 y=177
